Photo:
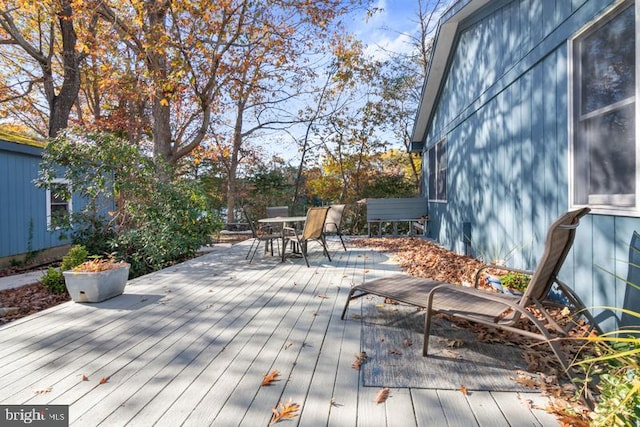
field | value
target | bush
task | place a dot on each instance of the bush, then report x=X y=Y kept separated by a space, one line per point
x=53 y=279
x=167 y=232
x=156 y=221
x=614 y=368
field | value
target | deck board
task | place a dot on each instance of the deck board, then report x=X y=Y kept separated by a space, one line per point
x=189 y=345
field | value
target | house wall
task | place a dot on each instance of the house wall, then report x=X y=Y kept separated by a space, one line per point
x=503 y=111
x=23 y=224
x=23 y=221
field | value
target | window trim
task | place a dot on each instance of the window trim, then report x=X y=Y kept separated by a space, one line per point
x=57 y=181
x=439 y=143
x=603 y=203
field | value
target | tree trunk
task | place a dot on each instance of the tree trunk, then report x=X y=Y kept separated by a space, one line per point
x=233 y=162
x=156 y=58
x=60 y=105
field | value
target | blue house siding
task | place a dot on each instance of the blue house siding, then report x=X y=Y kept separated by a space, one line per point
x=23 y=224
x=503 y=109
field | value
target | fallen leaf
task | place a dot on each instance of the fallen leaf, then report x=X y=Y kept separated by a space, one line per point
x=395 y=351
x=450 y=353
x=268 y=379
x=407 y=342
x=288 y=410
x=103 y=380
x=322 y=296
x=360 y=359
x=43 y=390
x=85 y=378
x=334 y=403
x=464 y=390
x=382 y=395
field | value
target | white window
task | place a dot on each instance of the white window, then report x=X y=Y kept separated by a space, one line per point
x=58 y=203
x=437 y=158
x=604 y=151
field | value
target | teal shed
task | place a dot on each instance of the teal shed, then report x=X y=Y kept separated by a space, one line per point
x=25 y=210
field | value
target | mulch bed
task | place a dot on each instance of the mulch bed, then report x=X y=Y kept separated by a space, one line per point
x=29 y=299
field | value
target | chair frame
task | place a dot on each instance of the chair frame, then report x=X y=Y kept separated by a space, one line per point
x=335 y=221
x=268 y=238
x=491 y=308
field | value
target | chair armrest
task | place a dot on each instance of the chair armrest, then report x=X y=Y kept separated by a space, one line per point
x=290 y=230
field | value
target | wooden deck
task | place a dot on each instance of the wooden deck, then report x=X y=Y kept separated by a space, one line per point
x=189 y=346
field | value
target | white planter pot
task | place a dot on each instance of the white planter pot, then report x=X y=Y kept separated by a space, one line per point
x=96 y=286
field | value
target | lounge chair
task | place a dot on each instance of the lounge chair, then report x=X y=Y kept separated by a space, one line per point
x=261 y=234
x=499 y=310
x=313 y=230
x=333 y=223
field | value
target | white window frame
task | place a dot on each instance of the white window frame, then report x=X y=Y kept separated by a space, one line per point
x=439 y=145
x=49 y=201
x=609 y=204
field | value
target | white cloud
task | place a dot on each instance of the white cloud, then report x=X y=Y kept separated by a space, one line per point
x=389 y=29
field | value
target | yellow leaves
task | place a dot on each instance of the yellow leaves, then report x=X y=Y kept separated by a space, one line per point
x=164 y=102
x=286 y=411
x=464 y=390
x=96 y=265
x=269 y=378
x=382 y=395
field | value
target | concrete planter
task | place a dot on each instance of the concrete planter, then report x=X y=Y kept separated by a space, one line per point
x=96 y=286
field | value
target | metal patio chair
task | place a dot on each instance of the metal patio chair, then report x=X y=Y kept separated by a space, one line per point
x=499 y=310
x=261 y=234
x=313 y=230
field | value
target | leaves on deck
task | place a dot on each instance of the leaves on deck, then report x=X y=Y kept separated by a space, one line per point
x=422 y=258
x=103 y=380
x=43 y=390
x=85 y=378
x=464 y=390
x=281 y=412
x=360 y=359
x=382 y=395
x=269 y=378
x=395 y=351
x=407 y=342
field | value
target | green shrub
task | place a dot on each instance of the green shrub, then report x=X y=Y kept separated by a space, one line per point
x=53 y=279
x=158 y=218
x=167 y=232
x=615 y=364
x=76 y=256
x=514 y=280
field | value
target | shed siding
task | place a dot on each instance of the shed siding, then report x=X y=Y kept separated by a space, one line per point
x=22 y=205
x=504 y=116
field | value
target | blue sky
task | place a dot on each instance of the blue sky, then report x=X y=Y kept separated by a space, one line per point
x=391 y=27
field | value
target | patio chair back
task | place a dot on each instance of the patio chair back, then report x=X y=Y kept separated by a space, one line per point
x=275 y=211
x=248 y=217
x=560 y=236
x=333 y=223
x=334 y=219
x=314 y=225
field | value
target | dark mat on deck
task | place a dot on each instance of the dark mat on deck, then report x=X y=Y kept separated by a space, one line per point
x=392 y=339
